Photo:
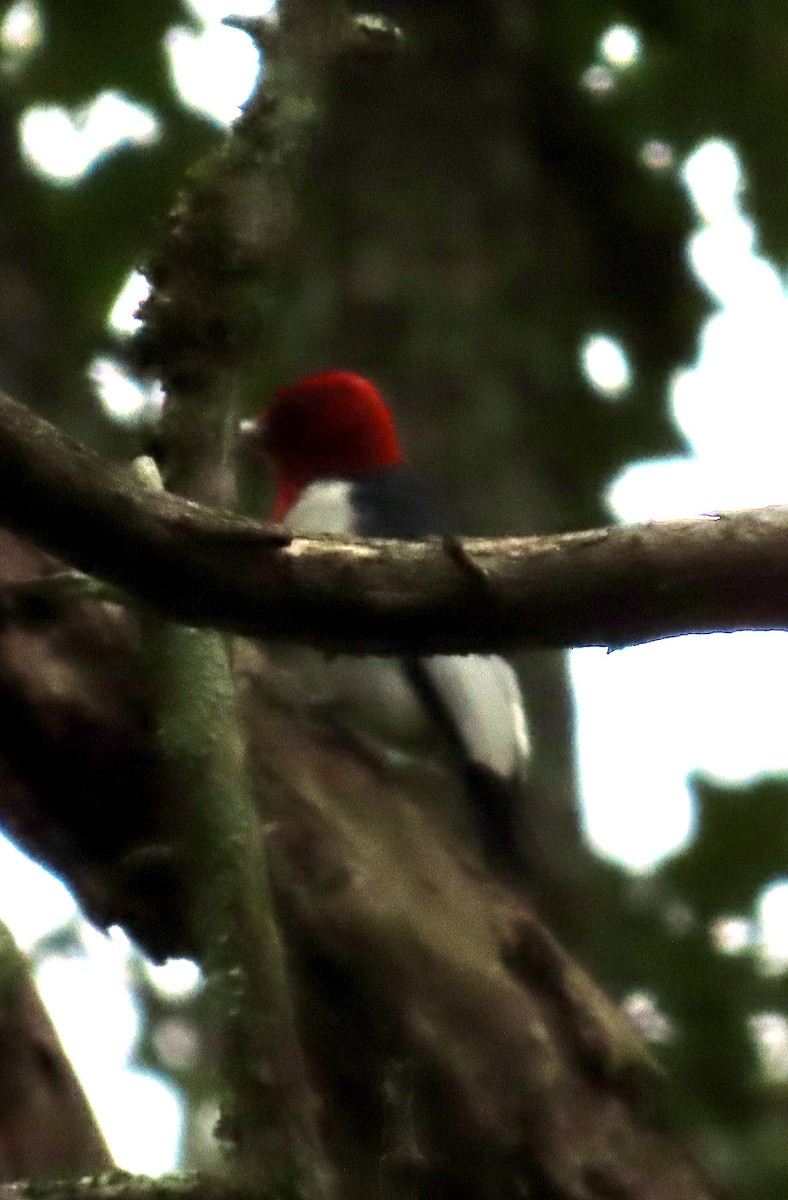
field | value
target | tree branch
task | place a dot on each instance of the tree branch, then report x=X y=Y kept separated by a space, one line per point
x=119 y=1185
x=204 y=566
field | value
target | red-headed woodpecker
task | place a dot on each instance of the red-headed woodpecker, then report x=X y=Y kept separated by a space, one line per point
x=339 y=468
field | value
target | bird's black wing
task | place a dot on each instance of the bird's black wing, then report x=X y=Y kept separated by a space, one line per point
x=396 y=503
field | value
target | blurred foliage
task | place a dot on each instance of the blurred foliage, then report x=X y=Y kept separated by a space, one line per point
x=86 y=236
x=88 y=48
x=475 y=212
x=703 y=998
x=716 y=70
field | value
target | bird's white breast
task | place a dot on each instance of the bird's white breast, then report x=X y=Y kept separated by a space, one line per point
x=371 y=691
x=323 y=507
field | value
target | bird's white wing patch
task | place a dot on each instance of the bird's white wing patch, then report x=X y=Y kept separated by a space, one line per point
x=481 y=696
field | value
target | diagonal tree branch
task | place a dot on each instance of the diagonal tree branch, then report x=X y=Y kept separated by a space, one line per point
x=204 y=566
x=46 y=1124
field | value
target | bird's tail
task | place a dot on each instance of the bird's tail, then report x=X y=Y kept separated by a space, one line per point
x=497 y=808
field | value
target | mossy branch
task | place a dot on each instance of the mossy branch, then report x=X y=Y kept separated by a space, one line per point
x=214 y=276
x=270 y=1114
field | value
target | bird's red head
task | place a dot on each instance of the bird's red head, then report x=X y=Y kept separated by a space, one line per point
x=332 y=425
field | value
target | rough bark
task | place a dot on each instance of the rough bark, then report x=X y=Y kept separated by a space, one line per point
x=409 y=957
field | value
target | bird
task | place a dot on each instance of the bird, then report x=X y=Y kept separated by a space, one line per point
x=331 y=441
